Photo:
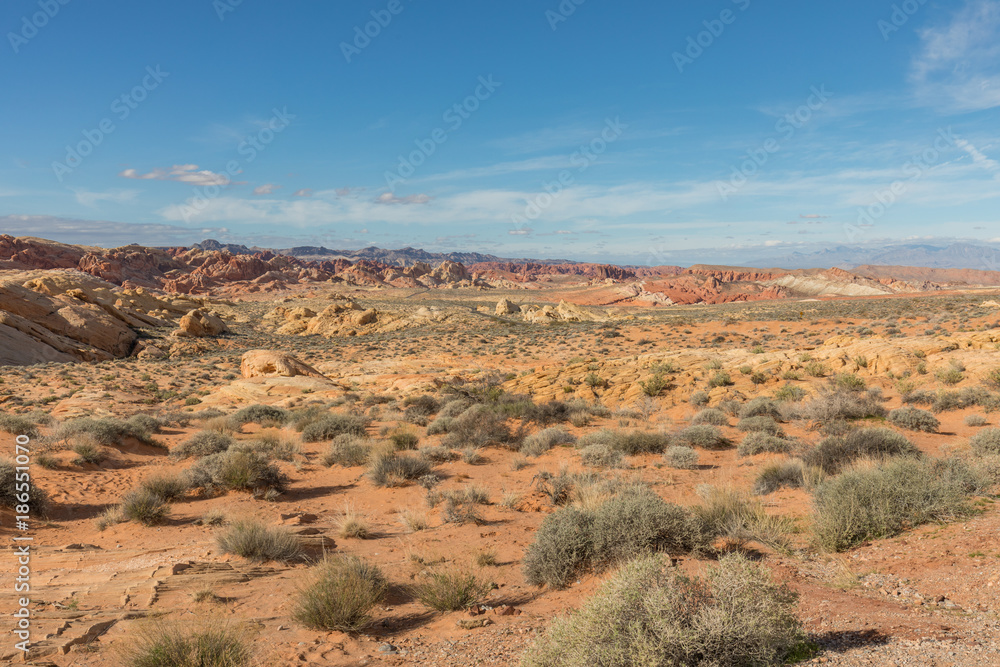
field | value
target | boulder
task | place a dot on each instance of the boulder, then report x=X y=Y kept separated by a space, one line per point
x=507 y=307
x=271 y=363
x=199 y=324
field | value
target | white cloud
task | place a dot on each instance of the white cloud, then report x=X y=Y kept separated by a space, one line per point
x=182 y=173
x=92 y=199
x=389 y=198
x=304 y=192
x=266 y=189
x=958 y=67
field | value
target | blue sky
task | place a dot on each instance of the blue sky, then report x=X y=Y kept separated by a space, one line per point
x=631 y=132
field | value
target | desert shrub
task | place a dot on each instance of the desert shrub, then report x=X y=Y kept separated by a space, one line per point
x=146 y=425
x=681 y=457
x=341 y=595
x=330 y=426
x=790 y=393
x=87 y=451
x=834 y=453
x=563 y=547
x=710 y=416
x=964 y=398
x=460 y=509
x=600 y=455
x=36 y=499
x=651 y=614
x=270 y=446
x=914 y=419
x=144 y=506
x=238 y=471
x=454 y=408
x=761 y=424
x=779 y=474
x=986 y=442
x=438 y=454
x=760 y=407
x=950 y=375
x=168 y=487
x=440 y=425
x=626 y=442
x=479 y=426
x=876 y=502
x=348 y=451
x=976 y=420
x=203 y=443
x=404 y=440
x=106 y=431
x=720 y=379
x=424 y=405
x=731 y=407
x=266 y=415
x=758 y=442
x=391 y=469
x=732 y=514
x=636 y=522
x=542 y=441
x=849 y=382
x=704 y=436
x=846 y=405
x=920 y=397
x=172 y=644
x=446 y=590
x=259 y=543
x=18 y=425
x=699 y=398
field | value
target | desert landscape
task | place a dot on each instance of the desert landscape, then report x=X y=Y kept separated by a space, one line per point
x=306 y=458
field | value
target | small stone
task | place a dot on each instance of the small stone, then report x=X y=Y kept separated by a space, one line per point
x=386 y=648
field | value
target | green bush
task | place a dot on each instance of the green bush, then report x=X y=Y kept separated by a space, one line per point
x=347 y=451
x=986 y=442
x=451 y=590
x=341 y=595
x=36 y=499
x=914 y=419
x=479 y=426
x=106 y=431
x=780 y=474
x=758 y=442
x=391 y=470
x=732 y=514
x=203 y=443
x=171 y=644
x=258 y=543
x=790 y=393
x=167 y=487
x=330 y=426
x=699 y=398
x=849 y=382
x=710 y=416
x=761 y=406
x=601 y=456
x=266 y=415
x=562 y=548
x=704 y=436
x=630 y=443
x=836 y=452
x=720 y=379
x=87 y=451
x=681 y=457
x=238 y=471
x=637 y=522
x=651 y=614
x=144 y=506
x=404 y=440
x=878 y=502
x=17 y=425
x=538 y=443
x=761 y=424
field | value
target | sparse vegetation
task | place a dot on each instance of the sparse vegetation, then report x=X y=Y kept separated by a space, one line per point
x=341 y=595
x=258 y=543
x=914 y=419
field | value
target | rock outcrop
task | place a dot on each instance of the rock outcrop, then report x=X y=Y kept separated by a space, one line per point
x=199 y=324
x=271 y=363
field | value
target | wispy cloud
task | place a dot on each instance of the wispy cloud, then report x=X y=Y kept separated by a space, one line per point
x=958 y=67
x=304 y=192
x=105 y=233
x=389 y=198
x=182 y=173
x=93 y=199
x=502 y=169
x=266 y=189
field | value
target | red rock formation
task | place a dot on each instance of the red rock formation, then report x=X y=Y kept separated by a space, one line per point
x=28 y=253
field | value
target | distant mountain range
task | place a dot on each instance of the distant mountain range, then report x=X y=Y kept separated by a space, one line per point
x=982 y=257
